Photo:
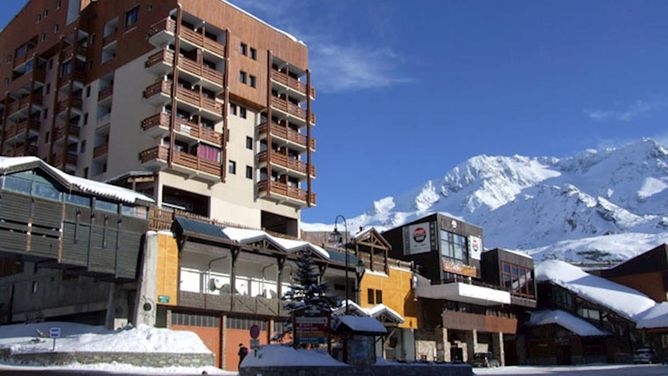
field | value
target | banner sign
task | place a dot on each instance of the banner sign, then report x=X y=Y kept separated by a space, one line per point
x=475 y=247
x=457 y=268
x=312 y=330
x=417 y=239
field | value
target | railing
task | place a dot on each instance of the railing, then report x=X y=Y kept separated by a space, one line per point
x=194 y=98
x=68 y=51
x=22 y=150
x=74 y=102
x=75 y=75
x=160 y=87
x=101 y=150
x=109 y=37
x=291 y=82
x=167 y=25
x=20 y=128
x=23 y=103
x=201 y=70
x=286 y=133
x=104 y=119
x=191 y=129
x=158 y=120
x=165 y=55
x=285 y=161
x=60 y=159
x=105 y=93
x=189 y=35
x=181 y=158
x=73 y=131
x=285 y=190
x=18 y=60
x=285 y=106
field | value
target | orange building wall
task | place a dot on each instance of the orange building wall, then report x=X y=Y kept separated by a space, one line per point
x=167 y=274
x=397 y=293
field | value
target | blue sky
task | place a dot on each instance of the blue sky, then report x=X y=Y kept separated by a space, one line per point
x=409 y=89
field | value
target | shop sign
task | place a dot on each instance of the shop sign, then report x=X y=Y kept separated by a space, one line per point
x=417 y=239
x=475 y=247
x=457 y=268
x=311 y=329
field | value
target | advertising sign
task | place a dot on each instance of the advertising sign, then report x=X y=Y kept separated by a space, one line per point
x=475 y=247
x=312 y=330
x=417 y=239
x=457 y=268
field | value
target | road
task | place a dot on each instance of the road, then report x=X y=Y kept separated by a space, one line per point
x=600 y=370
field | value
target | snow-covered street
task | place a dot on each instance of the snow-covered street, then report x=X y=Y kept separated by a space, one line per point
x=594 y=370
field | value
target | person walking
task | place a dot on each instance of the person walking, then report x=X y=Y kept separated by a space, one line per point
x=243 y=351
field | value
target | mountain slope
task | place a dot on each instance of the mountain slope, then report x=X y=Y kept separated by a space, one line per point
x=598 y=206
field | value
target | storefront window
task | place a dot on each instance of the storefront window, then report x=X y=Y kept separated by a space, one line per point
x=454 y=246
x=517 y=279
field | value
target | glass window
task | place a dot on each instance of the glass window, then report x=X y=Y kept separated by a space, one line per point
x=370 y=296
x=46 y=191
x=106 y=206
x=232 y=167
x=249 y=172
x=249 y=143
x=243 y=49
x=454 y=246
x=253 y=53
x=17 y=185
x=75 y=199
x=242 y=77
x=253 y=80
x=131 y=17
x=379 y=296
x=134 y=211
x=242 y=112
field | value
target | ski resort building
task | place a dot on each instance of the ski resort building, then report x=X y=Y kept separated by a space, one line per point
x=195 y=103
x=469 y=299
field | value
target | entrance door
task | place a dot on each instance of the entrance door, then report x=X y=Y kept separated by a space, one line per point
x=563 y=355
x=456 y=354
x=207 y=327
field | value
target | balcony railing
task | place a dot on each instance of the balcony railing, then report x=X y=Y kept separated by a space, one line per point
x=287 y=191
x=285 y=161
x=18 y=60
x=73 y=131
x=23 y=103
x=188 y=35
x=291 y=82
x=190 y=66
x=22 y=150
x=109 y=37
x=193 y=130
x=105 y=93
x=101 y=150
x=190 y=161
x=20 y=128
x=285 y=106
x=286 y=133
x=75 y=75
x=68 y=52
x=160 y=87
x=66 y=159
x=191 y=97
x=74 y=103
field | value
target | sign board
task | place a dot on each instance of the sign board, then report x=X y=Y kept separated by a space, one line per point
x=255 y=343
x=311 y=329
x=417 y=239
x=457 y=268
x=54 y=333
x=475 y=247
x=163 y=299
x=254 y=331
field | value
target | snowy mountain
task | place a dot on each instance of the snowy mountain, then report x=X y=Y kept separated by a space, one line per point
x=598 y=206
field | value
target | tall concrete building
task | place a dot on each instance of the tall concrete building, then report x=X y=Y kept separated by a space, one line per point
x=195 y=103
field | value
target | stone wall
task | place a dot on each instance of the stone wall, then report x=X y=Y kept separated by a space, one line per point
x=135 y=358
x=379 y=370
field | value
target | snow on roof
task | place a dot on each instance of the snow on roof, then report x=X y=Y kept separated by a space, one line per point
x=361 y=324
x=380 y=309
x=516 y=252
x=287 y=245
x=625 y=301
x=656 y=317
x=566 y=320
x=96 y=188
x=286 y=356
x=87 y=338
x=292 y=37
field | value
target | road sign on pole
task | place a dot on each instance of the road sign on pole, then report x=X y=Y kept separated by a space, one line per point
x=254 y=331
x=54 y=333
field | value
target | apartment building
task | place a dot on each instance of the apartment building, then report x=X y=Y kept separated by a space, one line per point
x=469 y=300
x=195 y=103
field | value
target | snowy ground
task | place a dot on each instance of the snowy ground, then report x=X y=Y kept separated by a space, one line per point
x=596 y=370
x=109 y=369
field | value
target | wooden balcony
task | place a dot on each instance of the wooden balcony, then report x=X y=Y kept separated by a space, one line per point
x=289 y=194
x=182 y=161
x=37 y=75
x=76 y=76
x=65 y=160
x=286 y=162
x=22 y=150
x=17 y=130
x=182 y=126
x=292 y=83
x=23 y=104
x=19 y=60
x=289 y=108
x=101 y=150
x=232 y=303
x=189 y=97
x=286 y=134
x=110 y=37
x=163 y=31
x=105 y=94
x=68 y=52
x=72 y=133
x=201 y=70
x=74 y=103
x=161 y=61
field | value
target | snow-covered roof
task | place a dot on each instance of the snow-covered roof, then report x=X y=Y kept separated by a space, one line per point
x=515 y=252
x=361 y=324
x=9 y=165
x=566 y=320
x=655 y=317
x=375 y=311
x=245 y=236
x=286 y=356
x=625 y=301
x=292 y=37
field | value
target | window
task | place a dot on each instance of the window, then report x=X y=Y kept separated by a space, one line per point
x=47 y=137
x=88 y=91
x=92 y=38
x=243 y=49
x=253 y=53
x=517 y=279
x=454 y=246
x=242 y=112
x=82 y=147
x=370 y=296
x=58 y=4
x=253 y=80
x=46 y=113
x=46 y=13
x=86 y=118
x=86 y=172
x=42 y=37
x=131 y=17
x=249 y=143
x=56 y=28
x=249 y=172
x=233 y=108
x=39 y=17
x=232 y=167
x=379 y=296
x=242 y=77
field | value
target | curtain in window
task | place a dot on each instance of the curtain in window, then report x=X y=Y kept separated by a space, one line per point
x=208 y=153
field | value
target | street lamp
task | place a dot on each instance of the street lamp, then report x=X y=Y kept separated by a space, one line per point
x=337 y=236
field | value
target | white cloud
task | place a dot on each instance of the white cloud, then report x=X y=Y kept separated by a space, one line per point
x=632 y=111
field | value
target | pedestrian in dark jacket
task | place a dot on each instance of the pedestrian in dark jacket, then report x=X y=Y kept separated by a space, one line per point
x=243 y=351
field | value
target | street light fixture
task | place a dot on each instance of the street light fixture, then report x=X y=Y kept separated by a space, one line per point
x=337 y=236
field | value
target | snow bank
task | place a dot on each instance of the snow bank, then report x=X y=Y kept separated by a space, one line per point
x=85 y=338
x=286 y=356
x=565 y=320
x=626 y=301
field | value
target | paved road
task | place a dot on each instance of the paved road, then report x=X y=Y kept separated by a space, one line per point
x=604 y=370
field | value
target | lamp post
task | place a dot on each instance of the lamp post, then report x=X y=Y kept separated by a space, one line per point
x=337 y=236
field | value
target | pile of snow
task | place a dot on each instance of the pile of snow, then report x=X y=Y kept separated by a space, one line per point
x=286 y=356
x=115 y=369
x=564 y=319
x=545 y=205
x=625 y=301
x=19 y=338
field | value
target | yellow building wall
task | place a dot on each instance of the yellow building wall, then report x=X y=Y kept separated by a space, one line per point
x=397 y=293
x=167 y=274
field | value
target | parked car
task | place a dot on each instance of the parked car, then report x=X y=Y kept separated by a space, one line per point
x=486 y=359
x=644 y=355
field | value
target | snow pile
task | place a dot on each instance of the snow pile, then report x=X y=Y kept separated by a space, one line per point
x=115 y=369
x=566 y=320
x=551 y=207
x=656 y=317
x=19 y=338
x=625 y=301
x=286 y=356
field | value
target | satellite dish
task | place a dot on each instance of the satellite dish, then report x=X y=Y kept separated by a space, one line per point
x=215 y=283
